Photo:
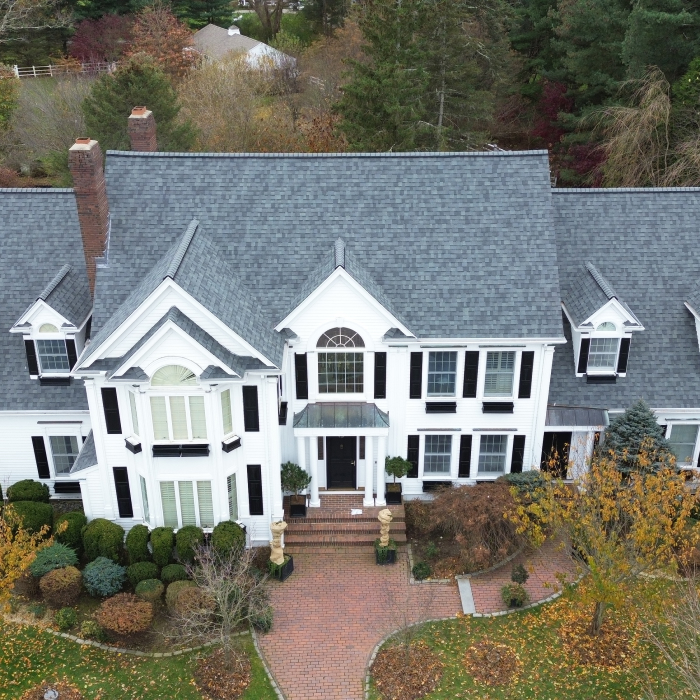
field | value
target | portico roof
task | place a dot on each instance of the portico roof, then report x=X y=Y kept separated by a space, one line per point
x=341 y=415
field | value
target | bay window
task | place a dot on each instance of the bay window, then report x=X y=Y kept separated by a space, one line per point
x=178 y=418
x=187 y=503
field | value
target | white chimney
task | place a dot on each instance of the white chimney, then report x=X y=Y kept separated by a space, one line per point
x=233 y=29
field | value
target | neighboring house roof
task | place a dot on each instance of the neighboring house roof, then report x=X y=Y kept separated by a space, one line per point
x=461 y=245
x=87 y=457
x=40 y=235
x=341 y=415
x=215 y=42
x=645 y=242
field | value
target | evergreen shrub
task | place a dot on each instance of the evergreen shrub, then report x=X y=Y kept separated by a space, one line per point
x=90 y=629
x=227 y=536
x=103 y=577
x=72 y=535
x=65 y=618
x=514 y=595
x=262 y=619
x=57 y=556
x=34 y=515
x=141 y=571
x=162 y=539
x=28 y=490
x=173 y=572
x=174 y=590
x=125 y=614
x=150 y=589
x=103 y=538
x=61 y=587
x=421 y=570
x=137 y=544
x=188 y=538
x=519 y=574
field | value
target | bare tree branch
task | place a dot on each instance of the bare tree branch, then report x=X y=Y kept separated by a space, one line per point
x=27 y=15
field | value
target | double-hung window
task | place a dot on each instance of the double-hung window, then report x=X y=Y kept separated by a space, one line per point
x=178 y=418
x=134 y=413
x=437 y=457
x=682 y=442
x=187 y=503
x=226 y=413
x=53 y=356
x=602 y=355
x=65 y=451
x=492 y=454
x=144 y=500
x=442 y=373
x=500 y=369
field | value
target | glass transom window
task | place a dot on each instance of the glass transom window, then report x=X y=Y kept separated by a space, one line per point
x=442 y=373
x=682 y=442
x=53 y=356
x=492 y=454
x=340 y=372
x=438 y=454
x=602 y=353
x=500 y=367
x=340 y=338
x=65 y=451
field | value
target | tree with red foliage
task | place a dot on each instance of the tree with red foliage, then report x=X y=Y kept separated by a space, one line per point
x=553 y=101
x=104 y=39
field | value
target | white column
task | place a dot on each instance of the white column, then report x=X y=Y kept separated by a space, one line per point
x=301 y=453
x=274 y=453
x=381 y=474
x=315 y=500
x=368 y=500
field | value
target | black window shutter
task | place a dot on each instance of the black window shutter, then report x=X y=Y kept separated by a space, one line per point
x=465 y=456
x=412 y=456
x=32 y=363
x=251 y=419
x=527 y=362
x=471 y=374
x=624 y=354
x=302 y=375
x=583 y=355
x=379 y=375
x=72 y=354
x=516 y=462
x=121 y=485
x=111 y=409
x=416 y=375
x=42 y=460
x=255 y=489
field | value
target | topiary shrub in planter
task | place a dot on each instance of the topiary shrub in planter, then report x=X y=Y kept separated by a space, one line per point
x=28 y=490
x=141 y=571
x=34 y=515
x=174 y=590
x=385 y=555
x=56 y=556
x=162 y=539
x=188 y=538
x=421 y=571
x=61 y=587
x=137 y=544
x=65 y=618
x=514 y=595
x=151 y=589
x=295 y=479
x=262 y=619
x=281 y=571
x=90 y=629
x=397 y=467
x=227 y=536
x=519 y=574
x=103 y=577
x=173 y=572
x=125 y=614
x=102 y=538
x=72 y=534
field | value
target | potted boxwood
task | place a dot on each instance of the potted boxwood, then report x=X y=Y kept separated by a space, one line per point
x=295 y=479
x=385 y=555
x=281 y=571
x=396 y=467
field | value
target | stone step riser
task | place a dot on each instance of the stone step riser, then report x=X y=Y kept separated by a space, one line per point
x=333 y=541
x=349 y=537
x=353 y=528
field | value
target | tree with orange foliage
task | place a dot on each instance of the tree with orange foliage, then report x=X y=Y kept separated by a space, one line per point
x=616 y=527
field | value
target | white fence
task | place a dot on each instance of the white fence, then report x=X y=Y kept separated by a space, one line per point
x=51 y=71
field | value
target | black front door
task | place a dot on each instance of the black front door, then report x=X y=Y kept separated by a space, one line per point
x=555 y=454
x=340 y=458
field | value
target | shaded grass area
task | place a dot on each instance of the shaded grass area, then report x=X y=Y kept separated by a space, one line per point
x=29 y=655
x=548 y=669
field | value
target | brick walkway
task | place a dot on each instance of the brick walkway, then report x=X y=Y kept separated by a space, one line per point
x=337 y=605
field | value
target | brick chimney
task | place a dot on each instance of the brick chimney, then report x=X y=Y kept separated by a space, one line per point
x=86 y=166
x=142 y=130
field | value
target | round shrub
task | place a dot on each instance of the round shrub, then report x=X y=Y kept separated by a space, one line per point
x=125 y=614
x=71 y=536
x=188 y=538
x=28 y=490
x=514 y=595
x=262 y=619
x=151 y=590
x=57 y=556
x=421 y=570
x=102 y=538
x=193 y=600
x=162 y=545
x=174 y=590
x=137 y=544
x=90 y=629
x=66 y=618
x=173 y=572
x=61 y=587
x=141 y=571
x=103 y=577
x=519 y=574
x=227 y=536
x=34 y=515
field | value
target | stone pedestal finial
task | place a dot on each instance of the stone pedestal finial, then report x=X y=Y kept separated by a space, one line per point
x=276 y=548
x=385 y=517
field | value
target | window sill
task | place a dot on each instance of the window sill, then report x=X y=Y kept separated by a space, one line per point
x=601 y=378
x=497 y=407
x=441 y=407
x=54 y=380
x=181 y=450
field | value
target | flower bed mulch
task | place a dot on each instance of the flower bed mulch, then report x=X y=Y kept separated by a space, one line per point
x=610 y=648
x=65 y=691
x=402 y=675
x=492 y=663
x=219 y=682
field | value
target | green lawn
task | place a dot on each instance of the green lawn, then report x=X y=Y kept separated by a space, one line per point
x=29 y=655
x=548 y=672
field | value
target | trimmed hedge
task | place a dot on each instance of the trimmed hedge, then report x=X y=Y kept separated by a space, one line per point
x=188 y=538
x=28 y=490
x=72 y=535
x=137 y=544
x=162 y=539
x=57 y=556
x=174 y=590
x=61 y=587
x=34 y=515
x=141 y=571
x=103 y=577
x=125 y=614
x=173 y=572
x=151 y=590
x=103 y=538
x=227 y=536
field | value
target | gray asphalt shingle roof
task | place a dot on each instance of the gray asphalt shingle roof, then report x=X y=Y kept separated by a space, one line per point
x=645 y=243
x=215 y=42
x=40 y=234
x=462 y=245
x=87 y=457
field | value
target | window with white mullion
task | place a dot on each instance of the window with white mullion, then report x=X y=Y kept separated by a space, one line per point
x=178 y=418
x=186 y=502
x=602 y=354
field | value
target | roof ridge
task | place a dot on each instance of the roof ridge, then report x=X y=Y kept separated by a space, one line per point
x=55 y=282
x=339 y=252
x=182 y=249
x=391 y=155
x=601 y=281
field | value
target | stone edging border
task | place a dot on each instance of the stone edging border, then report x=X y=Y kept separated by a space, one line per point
x=270 y=676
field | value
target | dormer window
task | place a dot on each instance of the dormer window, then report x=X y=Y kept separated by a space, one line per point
x=48 y=328
x=603 y=354
x=607 y=326
x=340 y=372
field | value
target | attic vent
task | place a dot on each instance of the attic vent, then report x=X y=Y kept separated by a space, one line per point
x=340 y=253
x=602 y=282
x=233 y=29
